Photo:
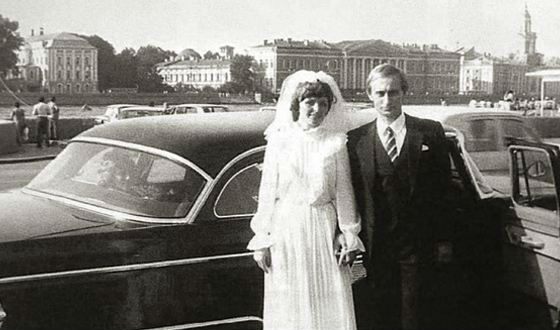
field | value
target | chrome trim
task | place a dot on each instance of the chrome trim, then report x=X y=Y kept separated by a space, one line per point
x=212 y=184
x=241 y=319
x=119 y=269
x=188 y=218
x=222 y=191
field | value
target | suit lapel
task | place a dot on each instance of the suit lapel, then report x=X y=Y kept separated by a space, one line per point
x=368 y=153
x=414 y=138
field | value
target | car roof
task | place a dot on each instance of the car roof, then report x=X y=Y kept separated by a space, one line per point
x=443 y=114
x=143 y=108
x=226 y=134
x=198 y=105
x=118 y=105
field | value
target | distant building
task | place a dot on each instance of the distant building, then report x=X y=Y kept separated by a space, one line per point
x=532 y=58
x=279 y=58
x=429 y=69
x=188 y=69
x=483 y=74
x=57 y=63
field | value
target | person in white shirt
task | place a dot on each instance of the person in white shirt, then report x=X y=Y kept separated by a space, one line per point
x=42 y=111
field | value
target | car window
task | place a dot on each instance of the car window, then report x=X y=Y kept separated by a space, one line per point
x=481 y=135
x=139 y=113
x=517 y=129
x=534 y=180
x=120 y=179
x=239 y=196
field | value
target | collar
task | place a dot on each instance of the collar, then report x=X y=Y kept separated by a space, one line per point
x=397 y=125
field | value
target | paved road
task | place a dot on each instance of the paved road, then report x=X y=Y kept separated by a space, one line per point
x=19 y=174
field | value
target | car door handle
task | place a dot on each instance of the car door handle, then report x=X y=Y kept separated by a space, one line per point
x=530 y=242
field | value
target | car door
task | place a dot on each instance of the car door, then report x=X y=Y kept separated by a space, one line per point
x=531 y=242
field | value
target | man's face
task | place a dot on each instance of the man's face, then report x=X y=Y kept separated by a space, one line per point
x=386 y=94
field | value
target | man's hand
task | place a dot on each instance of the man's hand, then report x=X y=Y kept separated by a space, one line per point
x=262 y=257
x=444 y=252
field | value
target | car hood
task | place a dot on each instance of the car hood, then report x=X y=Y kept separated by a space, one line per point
x=25 y=217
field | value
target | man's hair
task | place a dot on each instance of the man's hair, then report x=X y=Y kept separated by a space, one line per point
x=310 y=89
x=384 y=71
x=16 y=104
x=42 y=99
x=53 y=99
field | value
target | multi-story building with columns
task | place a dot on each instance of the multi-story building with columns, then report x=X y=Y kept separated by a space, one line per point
x=277 y=59
x=190 y=70
x=58 y=63
x=429 y=69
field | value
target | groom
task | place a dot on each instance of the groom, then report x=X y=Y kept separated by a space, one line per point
x=400 y=171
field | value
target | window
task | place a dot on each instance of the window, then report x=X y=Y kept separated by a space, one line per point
x=68 y=63
x=78 y=75
x=534 y=179
x=239 y=196
x=481 y=135
x=77 y=60
x=122 y=180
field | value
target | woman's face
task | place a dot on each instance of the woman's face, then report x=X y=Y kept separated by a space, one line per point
x=312 y=112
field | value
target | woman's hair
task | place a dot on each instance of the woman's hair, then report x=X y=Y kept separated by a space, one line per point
x=310 y=89
x=16 y=104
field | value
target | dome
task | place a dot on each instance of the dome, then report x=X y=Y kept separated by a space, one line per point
x=189 y=54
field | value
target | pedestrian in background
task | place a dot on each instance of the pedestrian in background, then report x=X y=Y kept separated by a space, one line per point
x=18 y=116
x=42 y=111
x=55 y=114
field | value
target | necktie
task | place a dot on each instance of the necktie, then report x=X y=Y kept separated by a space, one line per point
x=391 y=144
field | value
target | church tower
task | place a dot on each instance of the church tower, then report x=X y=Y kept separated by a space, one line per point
x=530 y=38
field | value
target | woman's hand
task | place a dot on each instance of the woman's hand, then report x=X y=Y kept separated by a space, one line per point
x=262 y=257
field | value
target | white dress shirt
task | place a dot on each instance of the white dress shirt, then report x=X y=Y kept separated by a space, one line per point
x=399 y=128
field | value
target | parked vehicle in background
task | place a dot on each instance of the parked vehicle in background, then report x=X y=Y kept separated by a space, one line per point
x=112 y=113
x=141 y=111
x=487 y=136
x=195 y=108
x=268 y=108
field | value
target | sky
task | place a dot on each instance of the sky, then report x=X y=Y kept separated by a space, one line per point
x=491 y=26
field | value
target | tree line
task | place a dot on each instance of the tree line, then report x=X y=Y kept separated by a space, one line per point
x=130 y=68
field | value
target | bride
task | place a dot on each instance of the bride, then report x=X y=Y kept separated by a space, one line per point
x=306 y=226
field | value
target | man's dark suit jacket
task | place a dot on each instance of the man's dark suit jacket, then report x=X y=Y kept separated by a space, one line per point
x=429 y=178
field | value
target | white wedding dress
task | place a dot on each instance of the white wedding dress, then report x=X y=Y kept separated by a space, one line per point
x=305 y=198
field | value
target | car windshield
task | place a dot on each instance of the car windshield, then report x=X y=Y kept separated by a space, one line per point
x=120 y=179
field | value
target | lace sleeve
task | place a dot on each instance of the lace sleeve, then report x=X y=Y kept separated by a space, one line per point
x=349 y=220
x=261 y=224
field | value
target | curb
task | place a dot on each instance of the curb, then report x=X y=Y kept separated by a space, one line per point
x=26 y=159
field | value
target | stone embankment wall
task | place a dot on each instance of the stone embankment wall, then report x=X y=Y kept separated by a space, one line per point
x=68 y=128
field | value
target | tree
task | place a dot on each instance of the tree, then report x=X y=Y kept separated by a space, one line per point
x=105 y=61
x=125 y=71
x=243 y=73
x=146 y=58
x=10 y=42
x=211 y=56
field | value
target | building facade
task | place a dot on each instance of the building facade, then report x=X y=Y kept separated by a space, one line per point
x=279 y=58
x=61 y=63
x=189 y=70
x=487 y=75
x=429 y=69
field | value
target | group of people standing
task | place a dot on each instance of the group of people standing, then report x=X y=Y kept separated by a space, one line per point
x=47 y=114
x=328 y=194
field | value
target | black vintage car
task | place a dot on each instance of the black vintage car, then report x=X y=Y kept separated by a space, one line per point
x=143 y=224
